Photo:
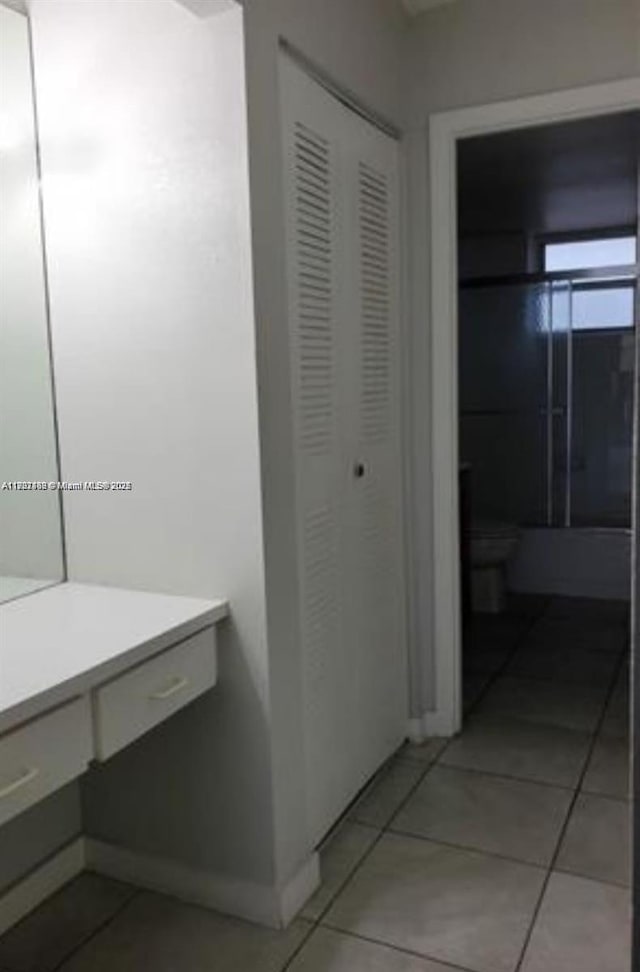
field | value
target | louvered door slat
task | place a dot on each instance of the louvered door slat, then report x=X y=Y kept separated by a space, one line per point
x=313 y=208
x=374 y=232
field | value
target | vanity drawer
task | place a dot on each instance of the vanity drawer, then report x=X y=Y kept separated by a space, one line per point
x=135 y=702
x=43 y=755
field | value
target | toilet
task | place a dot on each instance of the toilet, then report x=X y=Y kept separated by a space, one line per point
x=491 y=547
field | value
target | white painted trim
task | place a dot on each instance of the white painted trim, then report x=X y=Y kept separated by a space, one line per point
x=208 y=8
x=444 y=130
x=41 y=883
x=416 y=7
x=411 y=645
x=298 y=890
x=262 y=904
x=429 y=725
x=446 y=595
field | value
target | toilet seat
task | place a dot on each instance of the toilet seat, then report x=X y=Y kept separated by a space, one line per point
x=492 y=543
x=494 y=528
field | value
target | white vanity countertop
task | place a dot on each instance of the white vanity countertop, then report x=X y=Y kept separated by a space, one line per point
x=12 y=587
x=63 y=641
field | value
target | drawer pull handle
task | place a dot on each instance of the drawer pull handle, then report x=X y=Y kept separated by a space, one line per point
x=177 y=685
x=26 y=777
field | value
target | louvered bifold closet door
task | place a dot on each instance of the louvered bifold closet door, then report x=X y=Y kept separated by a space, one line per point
x=374 y=509
x=341 y=188
x=314 y=225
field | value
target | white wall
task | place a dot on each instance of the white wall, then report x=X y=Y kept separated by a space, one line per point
x=143 y=130
x=30 y=539
x=144 y=154
x=476 y=52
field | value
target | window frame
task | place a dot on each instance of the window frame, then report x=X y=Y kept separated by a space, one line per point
x=629 y=283
x=580 y=236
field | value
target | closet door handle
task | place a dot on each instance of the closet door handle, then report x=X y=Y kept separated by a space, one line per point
x=359 y=470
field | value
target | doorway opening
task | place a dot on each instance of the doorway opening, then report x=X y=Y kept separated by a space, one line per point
x=446 y=134
x=547 y=275
x=446 y=130
x=545 y=321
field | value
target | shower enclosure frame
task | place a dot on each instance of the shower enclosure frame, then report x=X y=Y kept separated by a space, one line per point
x=614 y=277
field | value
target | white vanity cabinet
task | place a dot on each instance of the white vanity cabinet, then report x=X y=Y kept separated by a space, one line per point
x=86 y=670
x=138 y=700
x=42 y=755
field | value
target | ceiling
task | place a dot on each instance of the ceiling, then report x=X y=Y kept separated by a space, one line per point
x=555 y=178
x=207 y=8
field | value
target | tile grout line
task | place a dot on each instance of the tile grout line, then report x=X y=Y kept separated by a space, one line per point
x=401 y=951
x=569 y=815
x=535 y=780
x=387 y=828
x=301 y=945
x=595 y=880
x=381 y=830
x=317 y=922
x=494 y=676
x=508 y=776
x=469 y=848
x=98 y=928
x=575 y=790
x=527 y=677
x=501 y=671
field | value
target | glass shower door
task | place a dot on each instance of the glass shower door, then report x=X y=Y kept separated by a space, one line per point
x=558 y=404
x=546 y=399
x=504 y=360
x=602 y=404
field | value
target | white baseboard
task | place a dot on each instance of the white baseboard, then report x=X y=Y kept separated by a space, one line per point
x=297 y=891
x=430 y=724
x=262 y=904
x=41 y=883
x=258 y=903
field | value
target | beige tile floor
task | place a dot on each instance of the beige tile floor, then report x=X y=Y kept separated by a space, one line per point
x=504 y=850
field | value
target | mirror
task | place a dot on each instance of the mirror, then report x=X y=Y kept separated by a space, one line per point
x=31 y=539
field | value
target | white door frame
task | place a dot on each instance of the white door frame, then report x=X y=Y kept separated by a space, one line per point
x=445 y=129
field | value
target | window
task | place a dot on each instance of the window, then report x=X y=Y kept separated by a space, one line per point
x=590 y=254
x=602 y=305
x=606 y=304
